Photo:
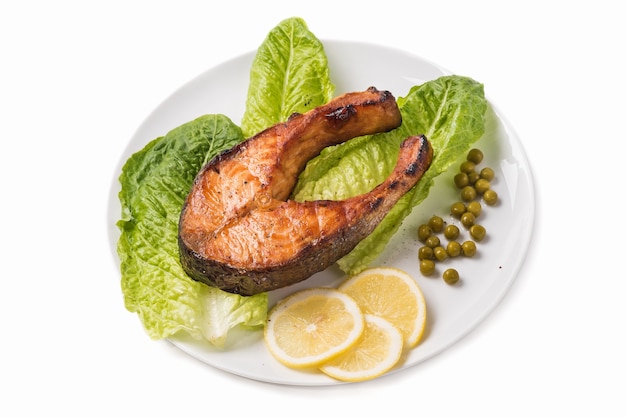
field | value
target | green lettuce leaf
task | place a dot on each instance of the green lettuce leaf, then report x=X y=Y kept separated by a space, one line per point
x=289 y=74
x=154 y=183
x=450 y=111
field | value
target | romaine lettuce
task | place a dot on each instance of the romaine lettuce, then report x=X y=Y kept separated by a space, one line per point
x=289 y=74
x=450 y=111
x=155 y=182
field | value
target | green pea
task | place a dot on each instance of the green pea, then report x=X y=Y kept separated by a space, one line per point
x=451 y=232
x=473 y=177
x=423 y=232
x=427 y=267
x=451 y=276
x=461 y=180
x=458 y=208
x=468 y=248
x=478 y=232
x=436 y=224
x=425 y=252
x=432 y=241
x=440 y=253
x=490 y=197
x=467 y=167
x=487 y=173
x=468 y=193
x=475 y=155
x=468 y=219
x=475 y=208
x=481 y=185
x=453 y=248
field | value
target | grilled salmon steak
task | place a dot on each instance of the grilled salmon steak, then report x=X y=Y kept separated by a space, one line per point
x=240 y=232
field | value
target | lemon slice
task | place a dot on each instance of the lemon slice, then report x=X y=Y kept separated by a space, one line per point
x=376 y=353
x=313 y=326
x=392 y=294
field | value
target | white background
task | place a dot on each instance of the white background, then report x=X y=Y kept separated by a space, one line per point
x=78 y=78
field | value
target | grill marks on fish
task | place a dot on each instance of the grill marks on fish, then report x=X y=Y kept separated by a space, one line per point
x=238 y=230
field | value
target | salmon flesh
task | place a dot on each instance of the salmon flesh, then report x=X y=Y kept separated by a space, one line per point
x=240 y=232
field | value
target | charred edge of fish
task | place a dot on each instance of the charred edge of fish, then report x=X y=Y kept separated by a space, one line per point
x=412 y=169
x=293 y=116
x=422 y=157
x=341 y=114
x=385 y=96
x=373 y=205
x=425 y=149
x=395 y=184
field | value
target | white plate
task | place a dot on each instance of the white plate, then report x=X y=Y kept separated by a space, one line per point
x=453 y=311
